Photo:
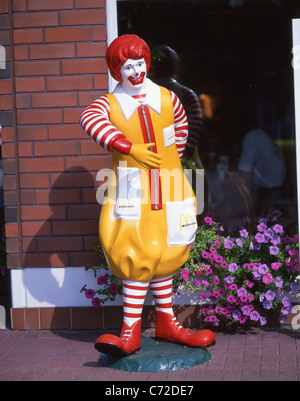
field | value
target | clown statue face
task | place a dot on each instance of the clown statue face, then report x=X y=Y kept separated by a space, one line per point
x=134 y=74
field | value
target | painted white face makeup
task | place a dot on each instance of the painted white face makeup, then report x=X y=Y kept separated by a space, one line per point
x=134 y=74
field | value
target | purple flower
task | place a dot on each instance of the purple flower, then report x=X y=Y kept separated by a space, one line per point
x=270 y=295
x=278 y=229
x=254 y=315
x=278 y=282
x=283 y=319
x=267 y=304
x=294 y=286
x=262 y=321
x=256 y=275
x=228 y=243
x=276 y=240
x=263 y=269
x=239 y=242
x=260 y=238
x=236 y=314
x=286 y=301
x=246 y=310
x=287 y=310
x=242 y=292
x=233 y=267
x=229 y=280
x=261 y=227
x=244 y=233
x=274 y=250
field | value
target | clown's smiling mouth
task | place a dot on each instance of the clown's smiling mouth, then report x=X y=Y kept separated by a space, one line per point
x=137 y=81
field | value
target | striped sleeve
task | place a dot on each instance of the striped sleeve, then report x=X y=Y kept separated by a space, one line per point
x=180 y=124
x=95 y=120
x=194 y=114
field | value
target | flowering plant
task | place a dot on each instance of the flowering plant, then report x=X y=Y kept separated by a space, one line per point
x=109 y=285
x=240 y=275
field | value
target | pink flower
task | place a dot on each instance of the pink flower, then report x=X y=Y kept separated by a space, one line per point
x=267 y=278
x=197 y=282
x=114 y=289
x=275 y=265
x=96 y=302
x=185 y=274
x=89 y=293
x=218 y=258
x=207 y=219
x=224 y=264
x=202 y=296
x=102 y=279
x=216 y=280
x=218 y=243
x=212 y=249
x=230 y=298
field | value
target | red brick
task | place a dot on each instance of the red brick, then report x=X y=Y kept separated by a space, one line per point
x=36 y=68
x=75 y=227
x=28 y=36
x=29 y=117
x=38 y=52
x=76 y=82
x=96 y=49
x=25 y=149
x=89 y=3
x=7 y=134
x=90 y=147
x=11 y=230
x=30 y=20
x=41 y=165
x=9 y=166
x=56 y=148
x=96 y=17
x=86 y=98
x=99 y=33
x=8 y=150
x=58 y=196
x=19 y=5
x=10 y=198
x=100 y=82
x=90 y=163
x=83 y=212
x=5 y=86
x=94 y=66
x=34 y=181
x=71 y=115
x=54 y=100
x=9 y=182
x=89 y=195
x=60 y=244
x=46 y=259
x=20 y=52
x=67 y=34
x=27 y=197
x=32 y=133
x=6 y=102
x=4 y=7
x=12 y=245
x=36 y=5
x=30 y=84
x=43 y=212
x=28 y=244
x=68 y=131
x=23 y=101
x=34 y=228
x=73 y=180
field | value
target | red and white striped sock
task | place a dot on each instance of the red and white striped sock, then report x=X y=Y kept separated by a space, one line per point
x=134 y=294
x=161 y=290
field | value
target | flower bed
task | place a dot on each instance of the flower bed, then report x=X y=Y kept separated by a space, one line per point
x=240 y=276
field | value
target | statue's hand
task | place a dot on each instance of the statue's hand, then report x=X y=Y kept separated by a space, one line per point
x=146 y=158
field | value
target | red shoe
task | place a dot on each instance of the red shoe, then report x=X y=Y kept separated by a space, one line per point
x=168 y=329
x=128 y=342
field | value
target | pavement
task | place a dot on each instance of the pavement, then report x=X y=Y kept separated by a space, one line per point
x=255 y=354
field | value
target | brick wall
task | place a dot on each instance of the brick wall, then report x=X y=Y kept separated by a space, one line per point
x=57 y=50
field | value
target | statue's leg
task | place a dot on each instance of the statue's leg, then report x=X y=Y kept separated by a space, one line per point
x=167 y=326
x=134 y=294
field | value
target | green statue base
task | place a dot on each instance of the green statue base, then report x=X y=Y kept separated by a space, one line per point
x=157 y=356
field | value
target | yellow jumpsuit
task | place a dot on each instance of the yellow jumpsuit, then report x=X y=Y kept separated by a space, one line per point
x=141 y=246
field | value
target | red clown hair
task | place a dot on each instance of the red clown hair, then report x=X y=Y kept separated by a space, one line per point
x=123 y=48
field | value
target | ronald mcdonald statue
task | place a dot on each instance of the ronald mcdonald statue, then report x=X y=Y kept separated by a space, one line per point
x=148 y=220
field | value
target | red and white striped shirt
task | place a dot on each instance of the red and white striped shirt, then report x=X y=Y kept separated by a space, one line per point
x=96 y=122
